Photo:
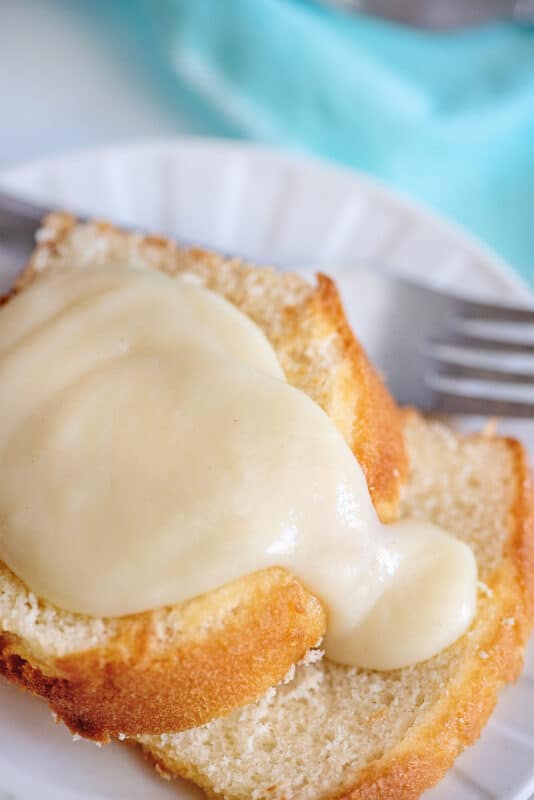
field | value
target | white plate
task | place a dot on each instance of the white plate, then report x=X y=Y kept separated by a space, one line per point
x=288 y=211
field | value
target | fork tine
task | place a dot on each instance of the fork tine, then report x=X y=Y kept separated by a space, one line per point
x=486 y=374
x=503 y=331
x=454 y=404
x=482 y=343
x=470 y=309
x=504 y=363
x=455 y=393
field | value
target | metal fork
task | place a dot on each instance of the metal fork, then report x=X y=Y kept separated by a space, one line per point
x=436 y=350
x=441 y=352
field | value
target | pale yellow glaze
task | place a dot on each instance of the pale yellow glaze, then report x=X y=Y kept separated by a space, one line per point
x=151 y=450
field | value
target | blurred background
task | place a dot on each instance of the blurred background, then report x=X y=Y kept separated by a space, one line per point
x=441 y=108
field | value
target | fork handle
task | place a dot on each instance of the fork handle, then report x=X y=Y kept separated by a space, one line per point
x=19 y=218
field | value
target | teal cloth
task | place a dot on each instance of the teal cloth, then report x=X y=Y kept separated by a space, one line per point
x=447 y=118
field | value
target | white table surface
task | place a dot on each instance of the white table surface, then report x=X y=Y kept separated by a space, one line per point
x=66 y=83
